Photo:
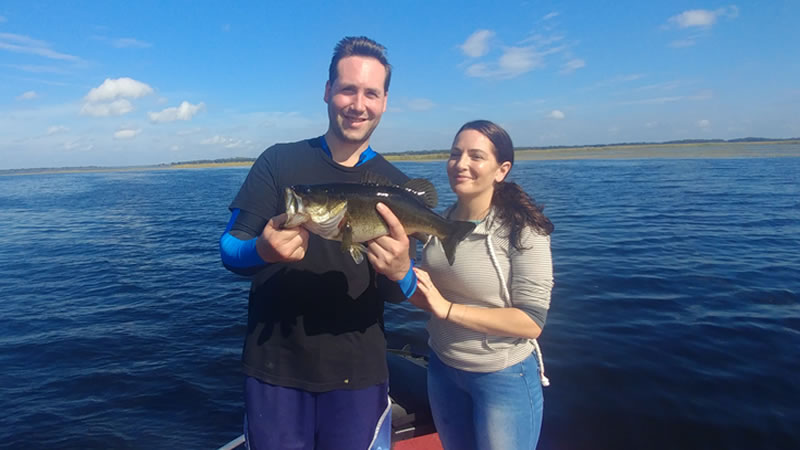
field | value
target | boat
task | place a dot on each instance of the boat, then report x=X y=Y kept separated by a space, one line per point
x=412 y=423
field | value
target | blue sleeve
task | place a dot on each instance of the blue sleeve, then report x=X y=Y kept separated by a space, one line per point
x=239 y=254
x=409 y=283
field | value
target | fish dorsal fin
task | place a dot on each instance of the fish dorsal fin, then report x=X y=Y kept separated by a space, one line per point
x=423 y=190
x=376 y=179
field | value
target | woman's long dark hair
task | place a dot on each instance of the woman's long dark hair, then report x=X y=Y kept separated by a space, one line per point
x=513 y=206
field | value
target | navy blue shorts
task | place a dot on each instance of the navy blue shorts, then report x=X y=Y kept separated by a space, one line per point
x=281 y=418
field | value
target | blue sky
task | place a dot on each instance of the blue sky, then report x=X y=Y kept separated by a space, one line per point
x=116 y=83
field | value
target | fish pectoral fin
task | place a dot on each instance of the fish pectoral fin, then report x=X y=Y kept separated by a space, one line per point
x=357 y=251
x=346 y=232
x=421 y=237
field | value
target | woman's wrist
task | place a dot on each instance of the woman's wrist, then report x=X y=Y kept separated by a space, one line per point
x=445 y=312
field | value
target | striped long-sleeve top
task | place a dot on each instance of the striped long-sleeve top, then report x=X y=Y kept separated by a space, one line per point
x=489 y=272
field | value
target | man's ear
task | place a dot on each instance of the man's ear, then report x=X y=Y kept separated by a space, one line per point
x=327 y=96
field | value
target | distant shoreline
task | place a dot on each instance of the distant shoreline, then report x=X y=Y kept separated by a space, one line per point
x=625 y=151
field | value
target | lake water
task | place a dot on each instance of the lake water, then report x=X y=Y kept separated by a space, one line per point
x=675 y=320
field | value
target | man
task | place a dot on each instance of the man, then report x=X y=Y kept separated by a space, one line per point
x=315 y=351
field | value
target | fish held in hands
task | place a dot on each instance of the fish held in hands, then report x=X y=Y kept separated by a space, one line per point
x=346 y=212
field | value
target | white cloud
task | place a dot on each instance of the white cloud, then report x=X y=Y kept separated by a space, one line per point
x=420 y=104
x=653 y=101
x=704 y=123
x=518 y=60
x=111 y=97
x=699 y=96
x=36 y=69
x=130 y=43
x=702 y=18
x=225 y=141
x=665 y=86
x=115 y=108
x=479 y=70
x=56 y=129
x=477 y=44
x=631 y=77
x=78 y=144
x=127 y=133
x=541 y=40
x=185 y=111
x=121 y=87
x=524 y=56
x=556 y=114
x=573 y=65
x=683 y=43
x=29 y=95
x=552 y=15
x=694 y=18
x=514 y=62
x=23 y=44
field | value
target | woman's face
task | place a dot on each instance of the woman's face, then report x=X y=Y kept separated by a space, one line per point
x=473 y=168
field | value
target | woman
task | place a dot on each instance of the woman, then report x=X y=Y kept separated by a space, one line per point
x=487 y=309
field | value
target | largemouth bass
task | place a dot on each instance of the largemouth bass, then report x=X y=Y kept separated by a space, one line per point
x=346 y=212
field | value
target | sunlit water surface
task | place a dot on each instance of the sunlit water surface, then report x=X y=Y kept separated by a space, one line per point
x=675 y=320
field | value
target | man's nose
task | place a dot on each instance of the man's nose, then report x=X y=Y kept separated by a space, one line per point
x=359 y=102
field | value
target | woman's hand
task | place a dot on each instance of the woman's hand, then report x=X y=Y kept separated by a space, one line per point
x=427 y=297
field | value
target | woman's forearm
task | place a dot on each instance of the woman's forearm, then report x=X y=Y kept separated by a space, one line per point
x=510 y=322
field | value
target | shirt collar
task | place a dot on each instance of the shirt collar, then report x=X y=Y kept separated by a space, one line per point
x=365 y=156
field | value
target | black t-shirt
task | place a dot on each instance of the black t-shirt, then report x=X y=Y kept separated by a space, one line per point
x=316 y=324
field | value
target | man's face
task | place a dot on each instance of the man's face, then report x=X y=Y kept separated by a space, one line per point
x=356 y=99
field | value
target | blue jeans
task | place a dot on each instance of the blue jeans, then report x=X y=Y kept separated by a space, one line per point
x=496 y=410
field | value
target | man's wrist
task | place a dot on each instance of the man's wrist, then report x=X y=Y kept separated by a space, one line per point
x=408 y=284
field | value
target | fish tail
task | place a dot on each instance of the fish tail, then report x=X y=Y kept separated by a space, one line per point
x=458 y=232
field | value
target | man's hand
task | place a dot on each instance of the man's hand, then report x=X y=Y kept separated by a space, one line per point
x=389 y=254
x=282 y=245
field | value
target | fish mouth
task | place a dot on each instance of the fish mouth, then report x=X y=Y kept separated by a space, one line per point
x=295 y=212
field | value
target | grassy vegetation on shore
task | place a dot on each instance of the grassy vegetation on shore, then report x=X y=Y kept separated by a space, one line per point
x=745 y=148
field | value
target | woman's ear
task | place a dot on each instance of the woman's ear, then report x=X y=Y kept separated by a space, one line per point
x=502 y=171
